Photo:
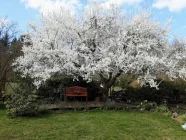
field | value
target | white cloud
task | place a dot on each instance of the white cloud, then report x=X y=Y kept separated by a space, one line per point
x=172 y=5
x=51 y=5
x=121 y=2
x=184 y=27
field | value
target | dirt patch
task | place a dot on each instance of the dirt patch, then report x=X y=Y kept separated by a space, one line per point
x=178 y=119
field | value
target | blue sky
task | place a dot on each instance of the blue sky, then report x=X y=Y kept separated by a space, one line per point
x=24 y=11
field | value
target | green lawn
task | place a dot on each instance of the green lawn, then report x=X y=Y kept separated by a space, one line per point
x=92 y=125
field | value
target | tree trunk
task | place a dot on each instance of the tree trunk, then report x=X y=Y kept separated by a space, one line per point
x=2 y=89
x=0 y=92
x=107 y=83
x=3 y=83
x=105 y=93
x=2 y=86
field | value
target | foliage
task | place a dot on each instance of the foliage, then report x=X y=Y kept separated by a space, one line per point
x=101 y=44
x=23 y=101
x=25 y=84
x=145 y=105
x=21 y=105
x=162 y=109
x=170 y=91
x=124 y=81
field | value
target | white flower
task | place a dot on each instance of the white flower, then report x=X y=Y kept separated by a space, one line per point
x=184 y=126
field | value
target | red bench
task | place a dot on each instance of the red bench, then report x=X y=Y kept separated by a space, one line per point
x=76 y=91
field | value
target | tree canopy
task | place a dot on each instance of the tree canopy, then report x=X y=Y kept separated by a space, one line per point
x=101 y=44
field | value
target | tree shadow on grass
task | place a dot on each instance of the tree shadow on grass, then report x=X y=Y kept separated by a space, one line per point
x=39 y=115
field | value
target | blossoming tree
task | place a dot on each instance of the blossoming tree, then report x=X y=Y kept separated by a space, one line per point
x=101 y=44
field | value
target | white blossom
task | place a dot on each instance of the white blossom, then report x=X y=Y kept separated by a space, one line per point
x=101 y=43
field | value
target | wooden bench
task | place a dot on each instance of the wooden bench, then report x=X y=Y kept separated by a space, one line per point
x=76 y=91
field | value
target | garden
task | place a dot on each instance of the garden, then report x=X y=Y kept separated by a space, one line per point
x=100 y=74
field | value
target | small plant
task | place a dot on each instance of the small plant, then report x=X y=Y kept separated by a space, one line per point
x=162 y=109
x=145 y=105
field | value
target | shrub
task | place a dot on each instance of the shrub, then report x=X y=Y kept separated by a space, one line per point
x=162 y=109
x=21 y=105
x=172 y=91
x=145 y=105
x=23 y=101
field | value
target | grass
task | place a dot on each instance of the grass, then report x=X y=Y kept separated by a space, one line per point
x=91 y=125
x=183 y=117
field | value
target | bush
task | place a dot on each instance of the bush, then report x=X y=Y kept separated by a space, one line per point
x=21 y=105
x=23 y=101
x=162 y=109
x=172 y=91
x=145 y=105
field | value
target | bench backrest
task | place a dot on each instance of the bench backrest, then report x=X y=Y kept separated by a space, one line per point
x=75 y=89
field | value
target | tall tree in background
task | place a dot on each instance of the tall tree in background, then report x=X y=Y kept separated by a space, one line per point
x=9 y=49
x=101 y=44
